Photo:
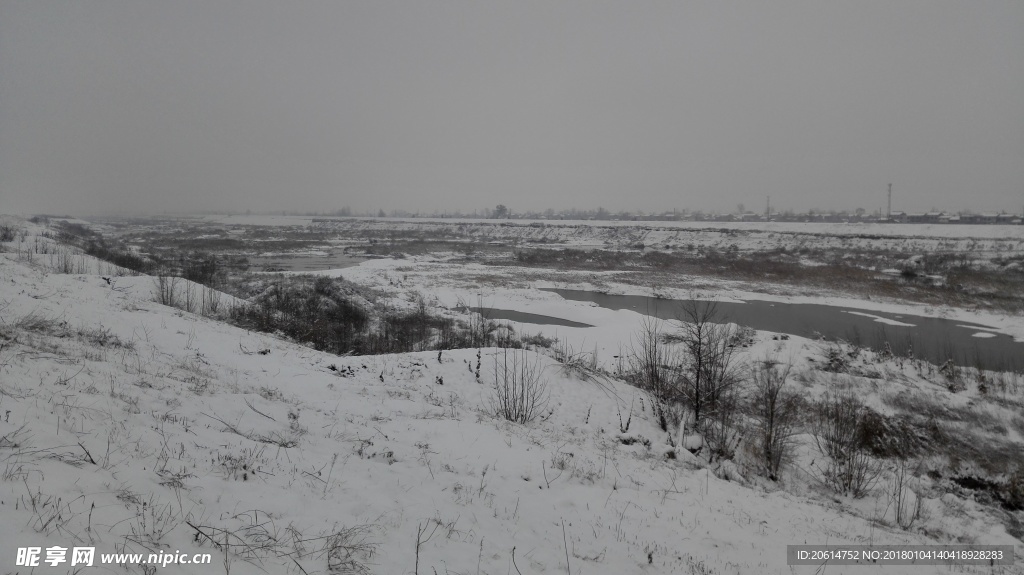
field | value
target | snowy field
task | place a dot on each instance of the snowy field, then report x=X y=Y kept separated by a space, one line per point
x=902 y=230
x=134 y=427
x=974 y=240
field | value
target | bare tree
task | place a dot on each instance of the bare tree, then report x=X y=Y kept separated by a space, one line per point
x=707 y=369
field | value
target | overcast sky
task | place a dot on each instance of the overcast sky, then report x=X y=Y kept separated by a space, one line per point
x=266 y=105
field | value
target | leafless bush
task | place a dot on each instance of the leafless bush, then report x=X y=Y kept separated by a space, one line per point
x=837 y=423
x=837 y=427
x=775 y=410
x=39 y=322
x=578 y=363
x=855 y=474
x=702 y=375
x=721 y=427
x=480 y=327
x=65 y=261
x=189 y=297
x=834 y=358
x=708 y=370
x=655 y=367
x=903 y=498
x=649 y=362
x=954 y=376
x=520 y=394
x=7 y=233
x=167 y=288
x=211 y=301
x=103 y=337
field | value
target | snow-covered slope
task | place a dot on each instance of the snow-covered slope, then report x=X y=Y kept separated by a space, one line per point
x=134 y=427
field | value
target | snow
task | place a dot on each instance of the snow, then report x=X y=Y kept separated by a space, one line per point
x=993 y=231
x=515 y=288
x=880 y=319
x=126 y=423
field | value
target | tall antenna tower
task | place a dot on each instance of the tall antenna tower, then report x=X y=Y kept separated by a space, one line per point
x=888 y=212
x=768 y=208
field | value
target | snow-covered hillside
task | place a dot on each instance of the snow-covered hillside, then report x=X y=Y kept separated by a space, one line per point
x=133 y=427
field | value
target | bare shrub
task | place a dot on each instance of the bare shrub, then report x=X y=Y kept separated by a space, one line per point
x=888 y=436
x=837 y=425
x=855 y=474
x=539 y=340
x=579 y=364
x=480 y=327
x=211 y=300
x=189 y=300
x=721 y=426
x=40 y=323
x=903 y=498
x=775 y=411
x=954 y=376
x=66 y=261
x=833 y=358
x=700 y=376
x=520 y=394
x=652 y=368
x=707 y=368
x=167 y=288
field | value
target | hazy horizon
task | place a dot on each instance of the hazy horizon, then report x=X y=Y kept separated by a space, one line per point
x=122 y=107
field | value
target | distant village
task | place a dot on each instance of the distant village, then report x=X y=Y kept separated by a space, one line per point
x=740 y=215
x=811 y=216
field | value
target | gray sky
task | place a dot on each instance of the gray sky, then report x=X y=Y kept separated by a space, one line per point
x=268 y=105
